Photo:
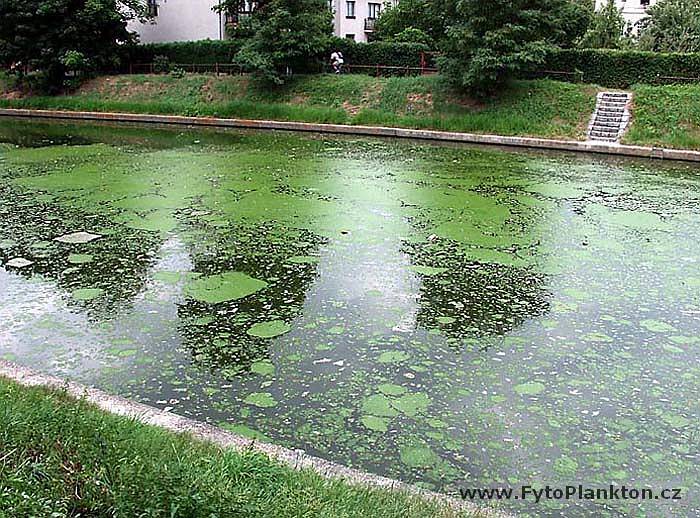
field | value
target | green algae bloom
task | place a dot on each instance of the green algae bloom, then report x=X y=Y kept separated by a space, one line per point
x=269 y=329
x=80 y=258
x=377 y=424
x=529 y=389
x=87 y=293
x=418 y=456
x=455 y=310
x=223 y=287
x=378 y=405
x=261 y=399
x=393 y=357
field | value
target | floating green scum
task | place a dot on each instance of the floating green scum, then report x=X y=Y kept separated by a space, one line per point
x=441 y=315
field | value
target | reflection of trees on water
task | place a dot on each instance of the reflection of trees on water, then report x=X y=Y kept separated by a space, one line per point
x=216 y=334
x=120 y=263
x=482 y=298
x=34 y=133
x=482 y=239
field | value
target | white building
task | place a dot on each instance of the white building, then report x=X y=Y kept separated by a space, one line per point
x=633 y=11
x=187 y=20
x=181 y=20
x=354 y=19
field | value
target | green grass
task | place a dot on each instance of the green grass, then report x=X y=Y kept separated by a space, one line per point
x=64 y=457
x=542 y=108
x=666 y=116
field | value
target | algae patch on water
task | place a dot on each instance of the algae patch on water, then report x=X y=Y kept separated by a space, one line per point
x=223 y=287
x=87 y=293
x=269 y=329
x=80 y=258
x=529 y=389
x=261 y=399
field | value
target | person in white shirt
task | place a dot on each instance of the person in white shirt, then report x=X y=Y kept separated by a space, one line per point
x=337 y=61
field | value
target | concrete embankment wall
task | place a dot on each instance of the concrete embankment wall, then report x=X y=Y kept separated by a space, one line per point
x=373 y=131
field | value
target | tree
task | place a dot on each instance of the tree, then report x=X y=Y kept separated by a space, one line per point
x=490 y=42
x=52 y=37
x=286 y=35
x=606 y=30
x=413 y=35
x=429 y=16
x=672 y=26
x=574 y=20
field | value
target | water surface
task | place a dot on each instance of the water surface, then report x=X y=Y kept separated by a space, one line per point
x=447 y=316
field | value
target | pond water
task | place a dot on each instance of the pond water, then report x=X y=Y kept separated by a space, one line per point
x=452 y=317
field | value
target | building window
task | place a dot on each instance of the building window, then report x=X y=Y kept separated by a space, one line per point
x=350 y=37
x=350 y=9
x=152 y=7
x=374 y=10
x=233 y=19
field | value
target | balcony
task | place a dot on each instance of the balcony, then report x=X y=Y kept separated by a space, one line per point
x=369 y=24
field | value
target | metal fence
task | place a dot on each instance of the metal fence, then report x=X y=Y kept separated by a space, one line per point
x=235 y=69
x=193 y=68
x=386 y=70
x=579 y=76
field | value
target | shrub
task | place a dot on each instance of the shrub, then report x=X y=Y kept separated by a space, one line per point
x=211 y=51
x=413 y=35
x=200 y=52
x=620 y=68
x=380 y=52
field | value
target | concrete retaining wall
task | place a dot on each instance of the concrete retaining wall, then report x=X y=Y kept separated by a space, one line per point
x=378 y=131
x=296 y=459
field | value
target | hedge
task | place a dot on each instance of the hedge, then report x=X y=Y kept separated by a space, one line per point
x=609 y=68
x=202 y=52
x=381 y=52
x=621 y=69
x=207 y=52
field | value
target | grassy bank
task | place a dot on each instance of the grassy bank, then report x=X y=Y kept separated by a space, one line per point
x=64 y=457
x=528 y=108
x=666 y=116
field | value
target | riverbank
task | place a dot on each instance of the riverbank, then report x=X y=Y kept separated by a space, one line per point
x=662 y=116
x=541 y=108
x=590 y=146
x=666 y=116
x=64 y=455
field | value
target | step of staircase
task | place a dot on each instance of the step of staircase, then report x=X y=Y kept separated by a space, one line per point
x=604 y=124
x=611 y=116
x=616 y=119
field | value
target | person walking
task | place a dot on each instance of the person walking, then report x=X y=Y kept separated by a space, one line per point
x=337 y=60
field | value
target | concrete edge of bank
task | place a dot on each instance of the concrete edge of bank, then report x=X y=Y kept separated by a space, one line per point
x=296 y=459
x=373 y=131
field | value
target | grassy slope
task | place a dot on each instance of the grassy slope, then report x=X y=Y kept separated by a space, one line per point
x=535 y=108
x=63 y=457
x=666 y=116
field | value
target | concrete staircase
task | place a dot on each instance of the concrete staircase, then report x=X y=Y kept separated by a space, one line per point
x=611 y=116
